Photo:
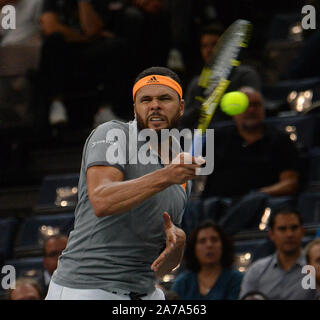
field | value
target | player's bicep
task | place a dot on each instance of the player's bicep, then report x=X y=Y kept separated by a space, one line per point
x=98 y=176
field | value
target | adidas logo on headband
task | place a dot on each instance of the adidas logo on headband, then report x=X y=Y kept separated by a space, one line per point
x=152 y=79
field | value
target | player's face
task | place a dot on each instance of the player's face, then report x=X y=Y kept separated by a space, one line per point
x=208 y=249
x=208 y=43
x=314 y=256
x=287 y=233
x=253 y=117
x=157 y=107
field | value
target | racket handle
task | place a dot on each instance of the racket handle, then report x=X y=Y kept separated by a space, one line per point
x=198 y=142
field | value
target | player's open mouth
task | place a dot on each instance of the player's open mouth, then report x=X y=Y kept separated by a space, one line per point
x=156 y=120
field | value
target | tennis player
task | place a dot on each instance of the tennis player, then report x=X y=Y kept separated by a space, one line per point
x=126 y=231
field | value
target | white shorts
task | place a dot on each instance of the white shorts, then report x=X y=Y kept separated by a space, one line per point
x=57 y=292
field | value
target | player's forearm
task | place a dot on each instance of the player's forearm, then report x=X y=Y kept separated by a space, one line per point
x=118 y=197
x=90 y=20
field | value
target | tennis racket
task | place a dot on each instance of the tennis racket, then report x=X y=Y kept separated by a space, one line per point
x=215 y=77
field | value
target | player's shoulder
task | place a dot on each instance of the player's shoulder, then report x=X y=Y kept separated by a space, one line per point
x=113 y=124
x=109 y=130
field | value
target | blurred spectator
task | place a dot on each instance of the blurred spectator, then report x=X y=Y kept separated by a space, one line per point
x=312 y=251
x=279 y=275
x=306 y=64
x=27 y=23
x=244 y=75
x=26 y=289
x=254 y=295
x=52 y=249
x=149 y=35
x=209 y=255
x=19 y=54
x=253 y=161
x=79 y=54
x=252 y=156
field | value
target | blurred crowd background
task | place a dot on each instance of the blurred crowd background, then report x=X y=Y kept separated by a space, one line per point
x=69 y=66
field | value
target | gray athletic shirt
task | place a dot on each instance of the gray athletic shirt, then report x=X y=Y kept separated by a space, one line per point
x=116 y=252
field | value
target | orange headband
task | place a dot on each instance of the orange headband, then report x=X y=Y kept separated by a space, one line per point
x=157 y=79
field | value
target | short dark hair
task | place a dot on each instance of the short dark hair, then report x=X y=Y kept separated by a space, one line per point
x=227 y=257
x=284 y=210
x=162 y=71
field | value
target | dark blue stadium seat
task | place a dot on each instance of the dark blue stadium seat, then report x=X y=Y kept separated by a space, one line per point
x=304 y=127
x=8 y=229
x=244 y=246
x=58 y=192
x=314 y=166
x=213 y=208
x=280 y=26
x=309 y=206
x=276 y=203
x=27 y=267
x=192 y=215
x=35 y=229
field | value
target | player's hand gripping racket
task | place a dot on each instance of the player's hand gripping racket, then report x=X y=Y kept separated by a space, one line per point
x=214 y=78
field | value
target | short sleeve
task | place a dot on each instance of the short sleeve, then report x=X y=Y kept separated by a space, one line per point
x=106 y=146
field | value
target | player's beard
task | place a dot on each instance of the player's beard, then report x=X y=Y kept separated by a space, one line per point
x=174 y=123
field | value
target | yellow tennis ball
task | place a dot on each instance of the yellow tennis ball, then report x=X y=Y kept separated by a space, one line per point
x=234 y=102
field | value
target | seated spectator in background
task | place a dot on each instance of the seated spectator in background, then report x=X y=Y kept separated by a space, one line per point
x=254 y=295
x=26 y=289
x=306 y=64
x=209 y=255
x=244 y=75
x=19 y=54
x=253 y=161
x=279 y=276
x=312 y=251
x=52 y=249
x=27 y=23
x=252 y=156
x=146 y=27
x=80 y=54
